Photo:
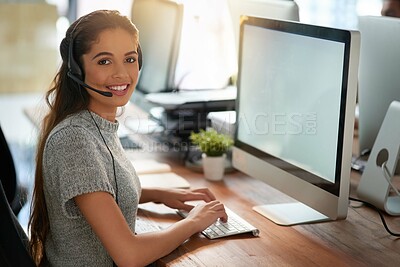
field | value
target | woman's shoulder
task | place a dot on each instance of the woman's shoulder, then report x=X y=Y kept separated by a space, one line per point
x=74 y=127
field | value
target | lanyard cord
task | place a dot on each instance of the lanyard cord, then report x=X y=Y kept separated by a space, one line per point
x=112 y=157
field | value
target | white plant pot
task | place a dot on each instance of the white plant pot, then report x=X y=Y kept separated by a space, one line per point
x=213 y=167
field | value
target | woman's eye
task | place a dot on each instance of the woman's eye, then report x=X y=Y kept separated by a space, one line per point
x=131 y=60
x=104 y=62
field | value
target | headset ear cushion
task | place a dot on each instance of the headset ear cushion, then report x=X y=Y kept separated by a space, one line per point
x=140 y=58
x=72 y=64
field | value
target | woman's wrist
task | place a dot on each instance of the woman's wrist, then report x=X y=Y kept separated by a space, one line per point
x=152 y=195
x=190 y=225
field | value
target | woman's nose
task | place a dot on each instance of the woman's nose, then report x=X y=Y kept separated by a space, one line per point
x=120 y=71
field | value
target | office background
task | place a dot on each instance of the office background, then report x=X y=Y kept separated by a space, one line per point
x=30 y=32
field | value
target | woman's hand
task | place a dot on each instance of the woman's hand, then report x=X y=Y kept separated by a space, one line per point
x=206 y=211
x=205 y=214
x=176 y=198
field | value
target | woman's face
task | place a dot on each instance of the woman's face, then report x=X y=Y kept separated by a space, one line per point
x=111 y=65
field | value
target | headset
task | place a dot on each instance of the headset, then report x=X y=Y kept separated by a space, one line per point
x=75 y=72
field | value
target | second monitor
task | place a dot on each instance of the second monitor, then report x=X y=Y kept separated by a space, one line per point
x=379 y=79
x=275 y=9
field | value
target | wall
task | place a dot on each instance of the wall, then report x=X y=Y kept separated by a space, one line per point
x=29 y=49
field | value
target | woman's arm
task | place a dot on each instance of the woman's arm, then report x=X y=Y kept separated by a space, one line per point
x=176 y=198
x=128 y=249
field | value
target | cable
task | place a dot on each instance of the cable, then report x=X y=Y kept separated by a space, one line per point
x=112 y=157
x=388 y=177
x=380 y=215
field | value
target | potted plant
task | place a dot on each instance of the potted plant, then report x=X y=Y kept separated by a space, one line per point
x=213 y=146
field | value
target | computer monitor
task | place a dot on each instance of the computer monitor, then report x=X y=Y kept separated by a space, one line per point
x=379 y=79
x=275 y=9
x=160 y=24
x=296 y=98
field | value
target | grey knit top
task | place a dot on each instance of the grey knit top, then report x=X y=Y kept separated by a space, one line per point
x=76 y=161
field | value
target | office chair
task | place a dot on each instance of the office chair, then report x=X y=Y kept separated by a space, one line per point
x=13 y=240
x=16 y=195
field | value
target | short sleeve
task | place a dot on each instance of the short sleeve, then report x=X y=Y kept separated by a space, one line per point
x=77 y=165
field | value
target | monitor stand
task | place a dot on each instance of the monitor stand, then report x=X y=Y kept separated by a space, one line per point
x=375 y=183
x=290 y=213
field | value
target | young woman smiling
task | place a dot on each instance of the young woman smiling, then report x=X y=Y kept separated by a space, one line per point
x=86 y=191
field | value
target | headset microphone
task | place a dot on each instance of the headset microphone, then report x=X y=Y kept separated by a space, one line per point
x=80 y=82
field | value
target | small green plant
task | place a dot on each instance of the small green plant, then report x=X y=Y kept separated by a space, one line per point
x=212 y=143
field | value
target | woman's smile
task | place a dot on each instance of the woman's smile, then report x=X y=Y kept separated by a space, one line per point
x=119 y=90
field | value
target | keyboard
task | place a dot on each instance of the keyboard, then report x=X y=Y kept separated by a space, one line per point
x=128 y=143
x=234 y=226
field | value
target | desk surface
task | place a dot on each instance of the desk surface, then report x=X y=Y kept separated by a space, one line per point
x=360 y=240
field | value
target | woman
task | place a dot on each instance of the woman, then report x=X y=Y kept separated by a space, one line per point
x=391 y=8
x=86 y=192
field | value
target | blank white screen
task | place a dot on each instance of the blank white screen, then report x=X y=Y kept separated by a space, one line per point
x=289 y=105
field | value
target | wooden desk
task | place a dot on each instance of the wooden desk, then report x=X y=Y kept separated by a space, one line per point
x=360 y=240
